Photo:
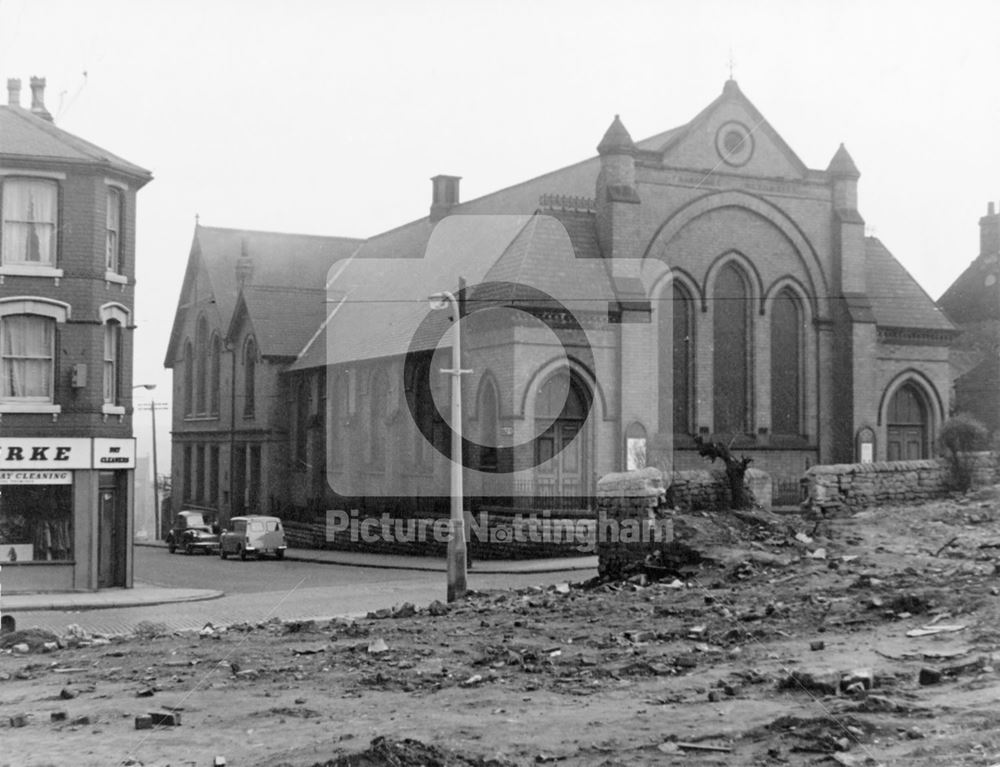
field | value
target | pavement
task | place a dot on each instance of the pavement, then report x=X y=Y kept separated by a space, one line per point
x=148 y=595
x=430 y=564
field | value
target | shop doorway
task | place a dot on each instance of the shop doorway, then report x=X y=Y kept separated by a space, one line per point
x=112 y=522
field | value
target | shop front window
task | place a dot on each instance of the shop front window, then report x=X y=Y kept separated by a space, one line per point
x=36 y=521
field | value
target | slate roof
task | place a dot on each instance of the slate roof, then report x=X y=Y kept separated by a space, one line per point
x=24 y=135
x=973 y=297
x=283 y=319
x=897 y=299
x=378 y=302
x=379 y=305
x=287 y=264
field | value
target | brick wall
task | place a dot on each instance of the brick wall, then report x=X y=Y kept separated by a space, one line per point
x=492 y=533
x=859 y=485
x=80 y=253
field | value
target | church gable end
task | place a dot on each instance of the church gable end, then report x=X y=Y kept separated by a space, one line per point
x=731 y=137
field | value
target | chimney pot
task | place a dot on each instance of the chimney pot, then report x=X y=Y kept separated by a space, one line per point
x=445 y=196
x=14 y=92
x=38 y=98
x=990 y=210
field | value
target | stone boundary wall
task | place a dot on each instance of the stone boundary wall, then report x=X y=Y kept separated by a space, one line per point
x=624 y=499
x=708 y=489
x=858 y=485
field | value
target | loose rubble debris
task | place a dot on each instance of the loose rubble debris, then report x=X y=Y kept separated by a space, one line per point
x=740 y=646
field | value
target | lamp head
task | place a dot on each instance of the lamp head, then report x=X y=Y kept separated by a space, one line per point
x=438 y=301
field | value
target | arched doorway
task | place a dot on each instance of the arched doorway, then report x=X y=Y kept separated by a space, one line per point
x=907 y=425
x=561 y=456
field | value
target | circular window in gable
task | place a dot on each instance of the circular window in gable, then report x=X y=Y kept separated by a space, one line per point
x=734 y=143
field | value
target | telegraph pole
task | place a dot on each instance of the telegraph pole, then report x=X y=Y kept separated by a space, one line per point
x=152 y=407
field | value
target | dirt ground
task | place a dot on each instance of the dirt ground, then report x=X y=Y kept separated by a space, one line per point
x=867 y=640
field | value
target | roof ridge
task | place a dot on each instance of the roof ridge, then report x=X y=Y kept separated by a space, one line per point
x=281 y=234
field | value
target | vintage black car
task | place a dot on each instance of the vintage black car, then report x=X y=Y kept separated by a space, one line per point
x=192 y=533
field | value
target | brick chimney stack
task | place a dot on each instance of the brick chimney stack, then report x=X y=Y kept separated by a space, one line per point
x=38 y=98
x=989 y=232
x=444 y=196
x=14 y=92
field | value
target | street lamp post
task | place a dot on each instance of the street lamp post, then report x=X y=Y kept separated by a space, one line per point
x=457 y=563
x=156 y=477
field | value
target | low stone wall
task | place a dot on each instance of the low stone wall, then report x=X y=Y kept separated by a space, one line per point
x=708 y=489
x=857 y=485
x=633 y=519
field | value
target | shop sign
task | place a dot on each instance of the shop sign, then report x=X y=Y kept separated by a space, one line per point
x=32 y=454
x=36 y=478
x=112 y=454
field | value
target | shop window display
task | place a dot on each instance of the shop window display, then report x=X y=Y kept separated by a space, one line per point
x=36 y=523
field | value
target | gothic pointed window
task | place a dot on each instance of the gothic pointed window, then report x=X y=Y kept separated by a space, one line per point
x=676 y=321
x=786 y=364
x=215 y=376
x=731 y=311
x=378 y=405
x=250 y=379
x=201 y=366
x=188 y=379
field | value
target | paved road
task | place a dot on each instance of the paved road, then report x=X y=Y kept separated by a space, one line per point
x=155 y=565
x=256 y=591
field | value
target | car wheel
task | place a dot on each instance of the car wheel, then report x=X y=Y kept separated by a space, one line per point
x=243 y=554
x=189 y=549
x=279 y=554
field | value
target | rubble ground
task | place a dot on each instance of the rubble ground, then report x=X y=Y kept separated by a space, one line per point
x=871 y=639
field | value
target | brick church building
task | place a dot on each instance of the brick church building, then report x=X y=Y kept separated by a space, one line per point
x=702 y=281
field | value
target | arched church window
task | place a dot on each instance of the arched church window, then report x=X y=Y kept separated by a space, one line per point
x=786 y=363
x=378 y=404
x=201 y=367
x=731 y=357
x=488 y=415
x=677 y=399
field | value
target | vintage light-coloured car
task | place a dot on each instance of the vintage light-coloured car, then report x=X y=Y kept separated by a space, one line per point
x=254 y=536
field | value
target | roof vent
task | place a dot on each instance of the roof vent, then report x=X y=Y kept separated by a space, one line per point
x=445 y=196
x=38 y=98
x=14 y=92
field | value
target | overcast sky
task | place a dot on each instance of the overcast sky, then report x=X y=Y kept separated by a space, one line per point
x=330 y=117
